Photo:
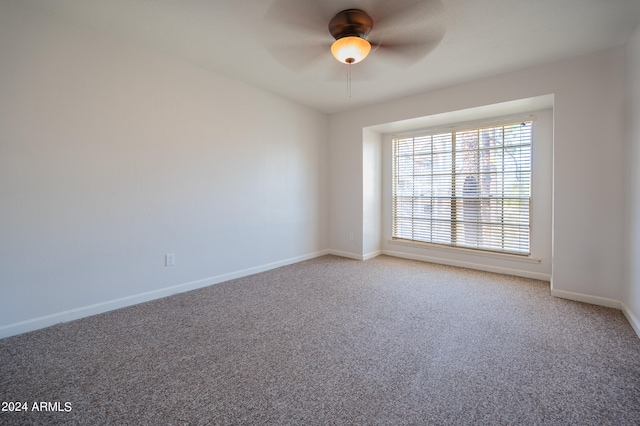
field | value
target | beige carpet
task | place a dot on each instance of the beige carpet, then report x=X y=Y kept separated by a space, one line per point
x=335 y=341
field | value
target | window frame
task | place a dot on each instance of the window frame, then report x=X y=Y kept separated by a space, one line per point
x=456 y=199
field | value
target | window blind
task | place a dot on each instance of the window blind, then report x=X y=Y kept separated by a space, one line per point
x=467 y=187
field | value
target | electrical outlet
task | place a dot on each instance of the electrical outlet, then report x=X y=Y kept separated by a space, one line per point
x=351 y=236
x=169 y=259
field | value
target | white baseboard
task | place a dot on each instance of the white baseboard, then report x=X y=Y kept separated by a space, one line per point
x=372 y=255
x=356 y=256
x=98 y=308
x=346 y=254
x=586 y=298
x=469 y=265
x=633 y=320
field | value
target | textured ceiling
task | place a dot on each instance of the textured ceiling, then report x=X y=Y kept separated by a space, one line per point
x=283 y=45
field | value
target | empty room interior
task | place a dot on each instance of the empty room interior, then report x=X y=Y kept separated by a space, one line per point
x=218 y=212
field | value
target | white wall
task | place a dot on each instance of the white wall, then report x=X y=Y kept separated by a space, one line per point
x=112 y=156
x=631 y=297
x=588 y=135
x=372 y=192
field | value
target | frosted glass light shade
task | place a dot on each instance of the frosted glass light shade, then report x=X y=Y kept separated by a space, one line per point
x=350 y=50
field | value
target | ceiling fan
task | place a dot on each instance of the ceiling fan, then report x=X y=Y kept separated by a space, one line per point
x=303 y=34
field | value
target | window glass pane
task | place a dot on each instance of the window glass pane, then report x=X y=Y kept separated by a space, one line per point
x=442 y=142
x=422 y=145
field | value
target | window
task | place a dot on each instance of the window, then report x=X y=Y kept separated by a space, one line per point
x=468 y=187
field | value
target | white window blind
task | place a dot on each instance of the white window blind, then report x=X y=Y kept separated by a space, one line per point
x=468 y=188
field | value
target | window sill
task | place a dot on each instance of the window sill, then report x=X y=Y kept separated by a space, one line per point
x=461 y=250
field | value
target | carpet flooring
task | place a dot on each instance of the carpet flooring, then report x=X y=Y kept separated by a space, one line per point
x=333 y=341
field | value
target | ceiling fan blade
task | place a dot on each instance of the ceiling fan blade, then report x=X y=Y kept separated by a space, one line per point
x=407 y=53
x=297 y=17
x=296 y=33
x=298 y=57
x=392 y=16
x=410 y=33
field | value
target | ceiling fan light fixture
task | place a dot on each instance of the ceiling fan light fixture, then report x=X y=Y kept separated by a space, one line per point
x=351 y=49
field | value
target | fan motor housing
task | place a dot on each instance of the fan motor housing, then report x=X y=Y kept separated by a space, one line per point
x=350 y=23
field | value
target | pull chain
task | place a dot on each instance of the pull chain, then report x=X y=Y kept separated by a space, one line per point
x=349 y=79
x=349 y=61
